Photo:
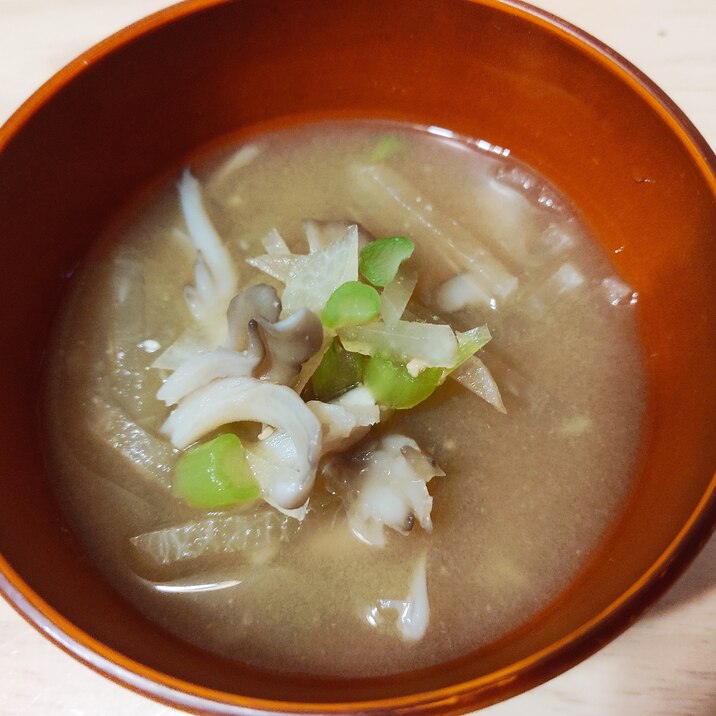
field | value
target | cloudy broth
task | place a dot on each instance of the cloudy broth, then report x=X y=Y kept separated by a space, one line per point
x=526 y=494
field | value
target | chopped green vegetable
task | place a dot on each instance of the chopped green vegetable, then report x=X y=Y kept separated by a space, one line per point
x=351 y=304
x=393 y=386
x=215 y=474
x=386 y=146
x=432 y=343
x=380 y=260
x=338 y=372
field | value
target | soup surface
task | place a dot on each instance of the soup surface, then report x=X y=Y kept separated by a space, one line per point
x=526 y=494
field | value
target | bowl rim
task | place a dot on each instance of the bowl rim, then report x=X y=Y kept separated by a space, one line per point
x=488 y=688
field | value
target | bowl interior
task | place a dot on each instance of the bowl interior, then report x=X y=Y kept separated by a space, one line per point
x=200 y=71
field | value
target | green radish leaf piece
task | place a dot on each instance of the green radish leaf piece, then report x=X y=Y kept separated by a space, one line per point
x=351 y=304
x=380 y=260
x=215 y=474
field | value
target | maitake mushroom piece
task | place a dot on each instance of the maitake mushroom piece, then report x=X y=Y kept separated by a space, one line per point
x=255 y=337
x=412 y=612
x=215 y=278
x=384 y=485
x=213 y=365
x=219 y=387
x=290 y=343
x=255 y=303
x=232 y=400
x=215 y=281
x=347 y=419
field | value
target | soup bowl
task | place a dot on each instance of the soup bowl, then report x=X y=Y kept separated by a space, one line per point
x=640 y=174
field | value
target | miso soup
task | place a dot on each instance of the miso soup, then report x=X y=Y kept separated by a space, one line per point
x=346 y=398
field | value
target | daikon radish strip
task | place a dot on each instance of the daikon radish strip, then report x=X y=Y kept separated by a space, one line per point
x=433 y=344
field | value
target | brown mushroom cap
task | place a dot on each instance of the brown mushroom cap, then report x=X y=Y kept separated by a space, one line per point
x=259 y=302
x=291 y=342
x=288 y=343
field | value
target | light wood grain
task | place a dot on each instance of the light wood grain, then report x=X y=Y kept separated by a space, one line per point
x=665 y=665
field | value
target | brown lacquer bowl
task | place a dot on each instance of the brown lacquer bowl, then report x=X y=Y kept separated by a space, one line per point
x=519 y=78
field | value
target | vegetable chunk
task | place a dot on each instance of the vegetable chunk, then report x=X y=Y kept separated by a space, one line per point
x=380 y=260
x=351 y=304
x=215 y=474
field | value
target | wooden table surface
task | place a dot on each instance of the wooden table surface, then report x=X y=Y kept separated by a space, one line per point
x=665 y=665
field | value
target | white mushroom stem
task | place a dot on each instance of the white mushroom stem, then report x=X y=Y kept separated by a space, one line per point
x=208 y=367
x=233 y=400
x=269 y=460
x=214 y=274
x=413 y=612
x=414 y=617
x=347 y=419
x=215 y=281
